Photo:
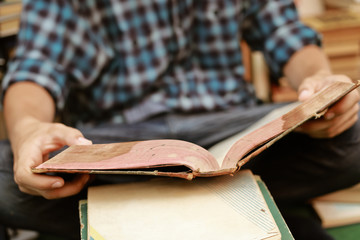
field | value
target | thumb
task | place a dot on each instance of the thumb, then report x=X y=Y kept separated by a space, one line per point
x=306 y=90
x=82 y=141
x=70 y=136
x=305 y=94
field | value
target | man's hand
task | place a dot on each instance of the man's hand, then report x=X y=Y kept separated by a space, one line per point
x=339 y=117
x=32 y=148
x=29 y=111
x=37 y=140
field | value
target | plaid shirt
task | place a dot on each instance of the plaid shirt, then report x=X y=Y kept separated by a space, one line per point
x=124 y=60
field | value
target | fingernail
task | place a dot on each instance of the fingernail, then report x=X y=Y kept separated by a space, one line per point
x=56 y=185
x=83 y=141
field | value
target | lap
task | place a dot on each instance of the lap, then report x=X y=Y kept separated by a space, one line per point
x=296 y=167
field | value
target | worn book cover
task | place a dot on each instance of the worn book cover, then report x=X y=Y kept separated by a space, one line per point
x=168 y=157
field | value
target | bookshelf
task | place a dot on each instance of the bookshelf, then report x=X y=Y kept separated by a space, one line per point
x=10 y=11
x=340 y=30
x=10 y=17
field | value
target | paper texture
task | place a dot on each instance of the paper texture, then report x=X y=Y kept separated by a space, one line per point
x=213 y=208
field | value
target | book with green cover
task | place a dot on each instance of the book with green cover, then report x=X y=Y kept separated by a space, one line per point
x=238 y=207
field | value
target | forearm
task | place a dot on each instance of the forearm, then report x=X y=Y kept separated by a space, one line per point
x=24 y=102
x=29 y=111
x=309 y=61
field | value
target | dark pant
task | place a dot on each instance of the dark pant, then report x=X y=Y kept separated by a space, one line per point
x=295 y=168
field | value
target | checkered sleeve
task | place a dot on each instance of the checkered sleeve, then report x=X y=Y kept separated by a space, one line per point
x=274 y=28
x=53 y=50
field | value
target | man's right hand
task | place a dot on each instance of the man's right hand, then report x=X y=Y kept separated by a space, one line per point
x=30 y=149
x=29 y=111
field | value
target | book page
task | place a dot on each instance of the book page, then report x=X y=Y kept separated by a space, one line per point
x=220 y=149
x=212 y=208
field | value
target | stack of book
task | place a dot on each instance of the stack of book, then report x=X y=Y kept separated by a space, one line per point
x=353 y=5
x=341 y=40
x=10 y=11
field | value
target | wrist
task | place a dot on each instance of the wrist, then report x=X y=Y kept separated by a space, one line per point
x=17 y=130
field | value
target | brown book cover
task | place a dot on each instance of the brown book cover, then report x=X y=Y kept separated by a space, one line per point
x=176 y=158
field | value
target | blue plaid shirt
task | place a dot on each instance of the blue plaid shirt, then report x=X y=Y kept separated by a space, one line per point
x=125 y=60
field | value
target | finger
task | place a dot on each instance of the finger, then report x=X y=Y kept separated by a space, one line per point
x=305 y=92
x=41 y=184
x=309 y=87
x=323 y=128
x=60 y=135
x=343 y=123
x=344 y=105
x=315 y=125
x=28 y=182
x=335 y=130
x=34 y=184
x=70 y=188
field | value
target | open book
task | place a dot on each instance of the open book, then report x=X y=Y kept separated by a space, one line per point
x=178 y=158
x=228 y=207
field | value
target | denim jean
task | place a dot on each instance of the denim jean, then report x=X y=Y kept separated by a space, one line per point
x=295 y=168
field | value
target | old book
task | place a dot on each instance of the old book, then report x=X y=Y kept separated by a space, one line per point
x=340 y=31
x=9 y=25
x=336 y=214
x=227 y=207
x=339 y=208
x=280 y=222
x=10 y=8
x=178 y=158
x=333 y=20
x=352 y=5
x=10 y=17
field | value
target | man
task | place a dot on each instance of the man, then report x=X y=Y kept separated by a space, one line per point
x=132 y=70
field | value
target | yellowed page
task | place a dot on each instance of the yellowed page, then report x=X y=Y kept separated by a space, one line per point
x=220 y=149
x=213 y=208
